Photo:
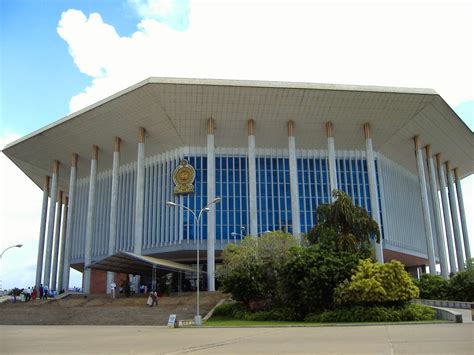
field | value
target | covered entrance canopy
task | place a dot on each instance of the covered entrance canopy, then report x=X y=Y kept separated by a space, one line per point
x=129 y=263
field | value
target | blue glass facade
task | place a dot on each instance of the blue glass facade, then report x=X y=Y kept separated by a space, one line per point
x=166 y=226
x=273 y=194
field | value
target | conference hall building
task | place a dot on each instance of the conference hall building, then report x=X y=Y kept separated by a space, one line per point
x=122 y=178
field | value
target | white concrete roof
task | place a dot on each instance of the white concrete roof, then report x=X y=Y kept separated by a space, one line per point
x=174 y=113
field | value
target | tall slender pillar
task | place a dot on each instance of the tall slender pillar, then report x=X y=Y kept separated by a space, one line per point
x=63 y=245
x=294 y=193
x=331 y=159
x=70 y=220
x=443 y=259
x=52 y=214
x=44 y=214
x=91 y=206
x=446 y=214
x=211 y=215
x=455 y=218
x=462 y=214
x=373 y=191
x=424 y=205
x=140 y=198
x=57 y=230
x=252 y=179
x=113 y=207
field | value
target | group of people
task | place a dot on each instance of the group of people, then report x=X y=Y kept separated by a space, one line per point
x=32 y=293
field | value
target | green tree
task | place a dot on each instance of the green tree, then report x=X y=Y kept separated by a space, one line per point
x=251 y=271
x=351 y=224
x=374 y=283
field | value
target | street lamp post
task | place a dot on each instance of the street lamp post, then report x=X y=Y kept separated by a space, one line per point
x=1 y=258
x=242 y=234
x=197 y=219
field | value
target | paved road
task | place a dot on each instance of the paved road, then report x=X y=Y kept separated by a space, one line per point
x=380 y=339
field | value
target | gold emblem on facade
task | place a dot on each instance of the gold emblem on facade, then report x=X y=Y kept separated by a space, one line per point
x=183 y=178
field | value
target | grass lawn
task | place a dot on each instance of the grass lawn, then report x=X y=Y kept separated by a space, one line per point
x=225 y=322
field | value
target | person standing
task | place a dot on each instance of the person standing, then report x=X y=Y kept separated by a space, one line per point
x=45 y=292
x=34 y=293
x=113 y=286
x=154 y=298
x=41 y=291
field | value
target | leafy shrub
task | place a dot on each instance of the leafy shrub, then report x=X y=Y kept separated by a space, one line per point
x=432 y=287
x=251 y=271
x=461 y=285
x=375 y=283
x=234 y=310
x=459 y=288
x=237 y=310
x=408 y=312
x=311 y=275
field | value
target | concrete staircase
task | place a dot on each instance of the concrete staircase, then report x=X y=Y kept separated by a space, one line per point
x=102 y=310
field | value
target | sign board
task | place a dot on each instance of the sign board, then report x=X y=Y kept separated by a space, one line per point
x=172 y=321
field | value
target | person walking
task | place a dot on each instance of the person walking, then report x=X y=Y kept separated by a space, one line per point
x=34 y=293
x=45 y=292
x=41 y=291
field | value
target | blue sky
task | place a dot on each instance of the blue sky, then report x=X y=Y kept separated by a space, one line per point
x=57 y=56
x=38 y=77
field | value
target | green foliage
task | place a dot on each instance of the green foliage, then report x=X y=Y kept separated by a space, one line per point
x=237 y=310
x=459 y=288
x=311 y=275
x=351 y=224
x=251 y=272
x=432 y=287
x=234 y=310
x=375 y=283
x=407 y=312
x=461 y=285
x=15 y=292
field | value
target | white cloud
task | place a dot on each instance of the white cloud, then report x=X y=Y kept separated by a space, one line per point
x=413 y=45
x=173 y=13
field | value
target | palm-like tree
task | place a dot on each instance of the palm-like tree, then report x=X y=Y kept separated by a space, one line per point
x=351 y=224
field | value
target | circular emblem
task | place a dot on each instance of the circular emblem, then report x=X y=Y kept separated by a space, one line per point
x=183 y=178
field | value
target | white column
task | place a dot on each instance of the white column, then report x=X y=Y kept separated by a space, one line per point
x=252 y=179
x=446 y=214
x=57 y=230
x=44 y=214
x=331 y=159
x=113 y=207
x=373 y=191
x=294 y=193
x=455 y=218
x=425 y=206
x=52 y=214
x=138 y=236
x=462 y=214
x=443 y=260
x=70 y=221
x=139 y=200
x=211 y=216
x=91 y=205
x=63 y=245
